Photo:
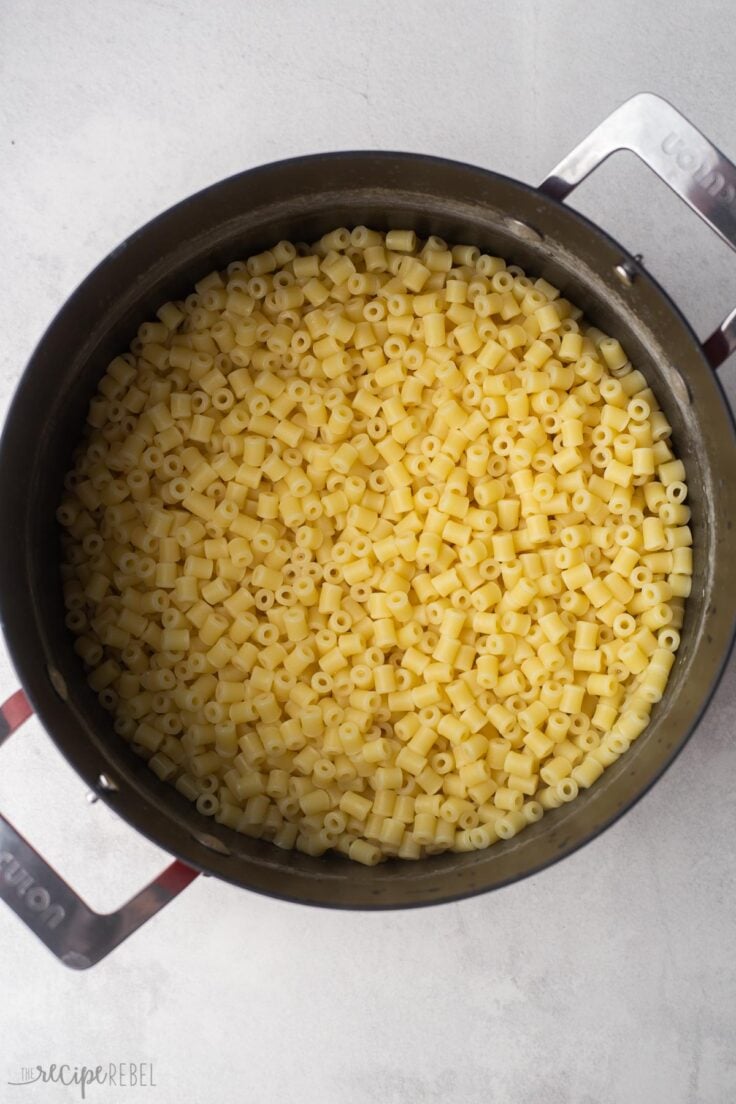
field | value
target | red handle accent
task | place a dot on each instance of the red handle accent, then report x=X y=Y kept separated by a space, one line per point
x=14 y=712
x=177 y=877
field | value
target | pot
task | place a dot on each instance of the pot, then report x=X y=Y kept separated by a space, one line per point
x=300 y=200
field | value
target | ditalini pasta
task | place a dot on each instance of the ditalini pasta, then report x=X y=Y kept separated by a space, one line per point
x=375 y=546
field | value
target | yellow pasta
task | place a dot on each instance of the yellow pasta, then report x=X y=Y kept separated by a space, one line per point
x=374 y=546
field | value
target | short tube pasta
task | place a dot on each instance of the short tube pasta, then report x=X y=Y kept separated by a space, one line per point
x=376 y=547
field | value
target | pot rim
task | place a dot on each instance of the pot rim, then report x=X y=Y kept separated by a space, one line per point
x=33 y=675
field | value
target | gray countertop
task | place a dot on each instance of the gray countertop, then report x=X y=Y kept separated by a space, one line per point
x=608 y=979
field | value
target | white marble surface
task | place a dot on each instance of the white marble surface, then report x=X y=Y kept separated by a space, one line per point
x=609 y=979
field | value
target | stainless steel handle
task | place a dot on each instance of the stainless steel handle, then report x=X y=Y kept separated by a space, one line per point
x=77 y=935
x=679 y=154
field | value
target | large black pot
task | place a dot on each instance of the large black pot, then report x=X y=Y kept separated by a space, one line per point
x=300 y=200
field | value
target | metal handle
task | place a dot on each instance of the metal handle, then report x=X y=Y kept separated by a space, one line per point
x=679 y=154
x=76 y=934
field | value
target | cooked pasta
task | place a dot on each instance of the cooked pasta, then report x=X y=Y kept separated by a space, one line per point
x=376 y=546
